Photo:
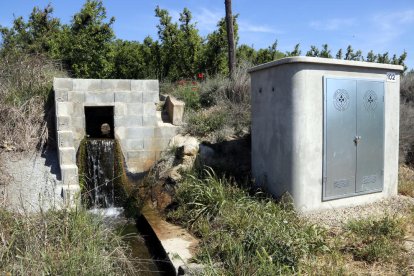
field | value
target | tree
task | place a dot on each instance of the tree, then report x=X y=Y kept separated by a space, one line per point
x=325 y=52
x=269 y=54
x=350 y=55
x=313 y=52
x=371 y=57
x=87 y=46
x=246 y=53
x=230 y=37
x=214 y=59
x=36 y=36
x=180 y=45
x=339 y=54
x=296 y=51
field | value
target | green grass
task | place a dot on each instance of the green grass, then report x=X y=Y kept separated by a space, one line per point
x=247 y=234
x=251 y=234
x=60 y=243
x=374 y=240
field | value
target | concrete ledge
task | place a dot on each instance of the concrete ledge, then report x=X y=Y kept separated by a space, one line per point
x=63 y=123
x=175 y=110
x=118 y=85
x=65 y=139
x=63 y=83
x=69 y=174
x=67 y=156
x=177 y=242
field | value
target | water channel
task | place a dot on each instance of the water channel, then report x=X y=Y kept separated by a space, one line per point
x=148 y=256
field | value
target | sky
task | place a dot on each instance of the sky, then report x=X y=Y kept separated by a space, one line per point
x=367 y=25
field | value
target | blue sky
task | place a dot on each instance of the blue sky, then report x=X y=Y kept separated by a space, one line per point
x=367 y=25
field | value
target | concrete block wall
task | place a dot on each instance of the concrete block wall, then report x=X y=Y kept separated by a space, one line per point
x=137 y=123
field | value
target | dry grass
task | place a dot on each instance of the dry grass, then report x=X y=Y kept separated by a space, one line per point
x=406 y=180
x=407 y=120
x=25 y=85
x=60 y=243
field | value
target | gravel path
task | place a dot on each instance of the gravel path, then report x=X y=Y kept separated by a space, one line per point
x=395 y=206
x=31 y=181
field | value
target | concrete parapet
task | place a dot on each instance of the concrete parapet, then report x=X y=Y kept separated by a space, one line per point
x=67 y=156
x=175 y=110
x=69 y=174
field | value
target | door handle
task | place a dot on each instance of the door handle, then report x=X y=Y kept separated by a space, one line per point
x=357 y=139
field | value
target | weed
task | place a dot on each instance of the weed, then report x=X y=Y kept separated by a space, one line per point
x=373 y=240
x=249 y=234
x=60 y=242
x=406 y=180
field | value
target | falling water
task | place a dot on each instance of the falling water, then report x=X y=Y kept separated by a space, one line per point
x=100 y=172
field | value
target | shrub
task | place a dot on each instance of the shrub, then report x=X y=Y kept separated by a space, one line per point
x=188 y=92
x=25 y=85
x=205 y=122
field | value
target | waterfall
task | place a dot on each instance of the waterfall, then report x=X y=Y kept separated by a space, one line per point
x=99 y=174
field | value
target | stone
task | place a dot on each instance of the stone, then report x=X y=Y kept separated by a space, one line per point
x=190 y=145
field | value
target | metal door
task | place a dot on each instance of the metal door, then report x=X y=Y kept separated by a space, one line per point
x=339 y=134
x=353 y=137
x=370 y=136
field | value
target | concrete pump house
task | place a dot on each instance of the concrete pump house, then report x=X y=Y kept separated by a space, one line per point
x=326 y=131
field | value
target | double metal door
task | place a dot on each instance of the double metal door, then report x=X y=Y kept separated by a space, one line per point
x=353 y=137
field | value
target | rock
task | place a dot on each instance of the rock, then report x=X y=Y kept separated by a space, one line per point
x=171 y=174
x=191 y=269
x=189 y=145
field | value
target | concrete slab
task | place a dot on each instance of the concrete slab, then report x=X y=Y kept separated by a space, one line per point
x=177 y=242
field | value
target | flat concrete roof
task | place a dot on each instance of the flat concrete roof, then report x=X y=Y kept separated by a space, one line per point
x=327 y=61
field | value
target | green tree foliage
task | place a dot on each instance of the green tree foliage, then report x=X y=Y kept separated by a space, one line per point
x=88 y=49
x=339 y=54
x=269 y=54
x=180 y=45
x=313 y=52
x=37 y=35
x=246 y=53
x=87 y=43
x=214 y=58
x=325 y=52
x=296 y=51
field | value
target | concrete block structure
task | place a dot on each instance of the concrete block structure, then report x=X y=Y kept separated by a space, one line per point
x=326 y=131
x=128 y=106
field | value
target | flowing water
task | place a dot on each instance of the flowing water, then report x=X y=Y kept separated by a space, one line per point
x=100 y=172
x=147 y=255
